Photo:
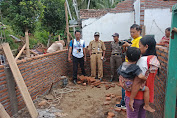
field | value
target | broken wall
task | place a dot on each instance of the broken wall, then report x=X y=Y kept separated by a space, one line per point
x=107 y=25
x=39 y=73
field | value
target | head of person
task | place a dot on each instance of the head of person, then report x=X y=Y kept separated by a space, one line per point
x=96 y=36
x=133 y=54
x=135 y=31
x=116 y=37
x=167 y=32
x=147 y=45
x=77 y=34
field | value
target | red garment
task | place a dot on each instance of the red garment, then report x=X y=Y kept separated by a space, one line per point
x=149 y=84
x=165 y=40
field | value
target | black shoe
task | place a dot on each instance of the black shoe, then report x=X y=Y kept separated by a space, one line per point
x=75 y=81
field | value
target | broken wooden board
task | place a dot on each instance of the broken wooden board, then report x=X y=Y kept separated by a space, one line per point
x=19 y=81
x=3 y=113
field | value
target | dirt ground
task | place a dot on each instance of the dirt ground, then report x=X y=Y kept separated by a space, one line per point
x=85 y=102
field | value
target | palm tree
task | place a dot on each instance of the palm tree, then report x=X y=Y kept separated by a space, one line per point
x=97 y=4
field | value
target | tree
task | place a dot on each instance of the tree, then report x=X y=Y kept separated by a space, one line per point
x=54 y=15
x=97 y=4
x=21 y=14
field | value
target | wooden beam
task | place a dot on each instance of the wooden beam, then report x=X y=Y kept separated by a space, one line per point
x=74 y=26
x=19 y=54
x=3 y=113
x=20 y=81
x=27 y=44
x=58 y=37
x=11 y=90
x=34 y=52
x=143 y=31
x=67 y=24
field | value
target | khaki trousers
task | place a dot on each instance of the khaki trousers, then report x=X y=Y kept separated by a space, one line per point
x=96 y=59
x=115 y=61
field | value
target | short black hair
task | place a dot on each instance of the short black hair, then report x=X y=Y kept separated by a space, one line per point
x=150 y=41
x=77 y=31
x=168 y=29
x=137 y=27
x=133 y=54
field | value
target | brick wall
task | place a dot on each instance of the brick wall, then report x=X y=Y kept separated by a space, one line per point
x=160 y=84
x=38 y=72
x=158 y=4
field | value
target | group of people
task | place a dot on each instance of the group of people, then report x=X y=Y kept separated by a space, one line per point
x=136 y=74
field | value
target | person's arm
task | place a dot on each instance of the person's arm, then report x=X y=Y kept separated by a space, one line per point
x=89 y=48
x=126 y=44
x=70 y=50
x=85 y=58
x=142 y=77
x=69 y=54
x=103 y=48
x=103 y=54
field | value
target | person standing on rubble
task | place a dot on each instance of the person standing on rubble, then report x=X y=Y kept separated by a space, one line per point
x=97 y=53
x=115 y=59
x=77 y=48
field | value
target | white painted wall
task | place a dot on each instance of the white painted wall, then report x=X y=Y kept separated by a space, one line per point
x=156 y=21
x=137 y=11
x=108 y=25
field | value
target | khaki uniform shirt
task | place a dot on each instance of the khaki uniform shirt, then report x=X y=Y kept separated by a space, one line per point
x=116 y=48
x=97 y=46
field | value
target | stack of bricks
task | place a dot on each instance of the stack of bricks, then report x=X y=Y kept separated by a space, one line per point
x=38 y=73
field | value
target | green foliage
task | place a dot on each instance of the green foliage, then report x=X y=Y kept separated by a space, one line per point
x=22 y=14
x=54 y=15
x=9 y=31
x=97 y=4
x=40 y=35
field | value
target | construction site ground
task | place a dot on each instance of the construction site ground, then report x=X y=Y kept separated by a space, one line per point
x=79 y=101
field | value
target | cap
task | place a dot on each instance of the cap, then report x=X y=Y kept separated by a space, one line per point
x=115 y=34
x=97 y=34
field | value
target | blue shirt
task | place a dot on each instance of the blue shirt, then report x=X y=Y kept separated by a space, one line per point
x=77 y=48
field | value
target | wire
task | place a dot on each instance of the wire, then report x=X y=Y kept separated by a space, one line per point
x=154 y=22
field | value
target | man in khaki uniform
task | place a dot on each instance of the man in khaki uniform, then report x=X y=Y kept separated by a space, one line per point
x=115 y=59
x=97 y=53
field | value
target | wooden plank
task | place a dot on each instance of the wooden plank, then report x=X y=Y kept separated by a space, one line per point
x=67 y=24
x=3 y=113
x=143 y=31
x=19 y=81
x=27 y=44
x=58 y=37
x=34 y=52
x=11 y=90
x=170 y=96
x=19 y=54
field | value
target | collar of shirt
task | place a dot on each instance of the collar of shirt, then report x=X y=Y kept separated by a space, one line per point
x=135 y=42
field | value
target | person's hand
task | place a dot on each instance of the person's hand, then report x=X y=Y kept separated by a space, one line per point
x=126 y=44
x=85 y=59
x=131 y=104
x=69 y=59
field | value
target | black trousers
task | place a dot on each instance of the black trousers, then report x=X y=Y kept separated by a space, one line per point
x=75 y=66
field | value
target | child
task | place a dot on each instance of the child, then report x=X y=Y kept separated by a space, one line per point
x=129 y=72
